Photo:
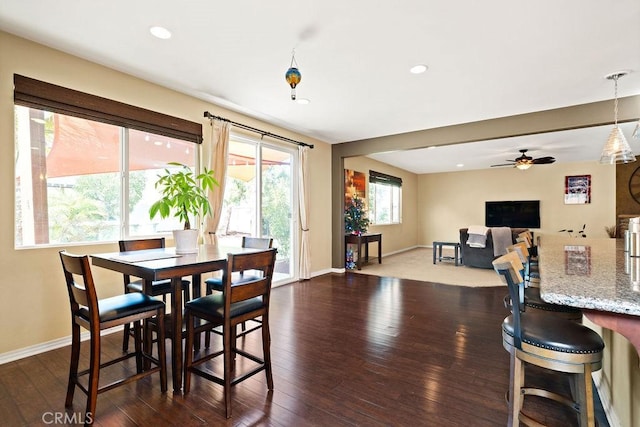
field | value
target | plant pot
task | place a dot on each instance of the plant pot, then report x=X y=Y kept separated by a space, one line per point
x=186 y=241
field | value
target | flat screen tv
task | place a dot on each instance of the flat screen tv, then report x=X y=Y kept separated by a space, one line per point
x=514 y=214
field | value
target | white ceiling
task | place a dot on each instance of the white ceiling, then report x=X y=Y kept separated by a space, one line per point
x=485 y=59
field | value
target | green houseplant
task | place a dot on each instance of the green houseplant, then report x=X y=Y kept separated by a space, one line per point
x=355 y=217
x=184 y=195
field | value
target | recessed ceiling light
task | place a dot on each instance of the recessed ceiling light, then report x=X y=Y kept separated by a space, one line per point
x=431 y=147
x=160 y=32
x=302 y=101
x=460 y=165
x=418 y=69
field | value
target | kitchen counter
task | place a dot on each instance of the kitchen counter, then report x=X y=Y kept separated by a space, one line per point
x=596 y=275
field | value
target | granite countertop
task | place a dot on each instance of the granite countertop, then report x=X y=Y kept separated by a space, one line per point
x=589 y=273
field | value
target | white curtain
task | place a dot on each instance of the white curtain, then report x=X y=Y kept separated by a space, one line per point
x=217 y=160
x=303 y=200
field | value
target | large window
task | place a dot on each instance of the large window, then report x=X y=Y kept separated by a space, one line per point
x=385 y=197
x=84 y=180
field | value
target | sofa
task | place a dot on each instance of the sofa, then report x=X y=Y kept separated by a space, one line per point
x=481 y=257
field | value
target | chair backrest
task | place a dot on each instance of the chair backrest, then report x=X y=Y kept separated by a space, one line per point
x=80 y=285
x=509 y=268
x=257 y=242
x=260 y=286
x=525 y=237
x=521 y=249
x=141 y=244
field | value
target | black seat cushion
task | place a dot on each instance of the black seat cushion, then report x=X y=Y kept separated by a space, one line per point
x=533 y=299
x=215 y=283
x=555 y=333
x=213 y=306
x=158 y=287
x=123 y=305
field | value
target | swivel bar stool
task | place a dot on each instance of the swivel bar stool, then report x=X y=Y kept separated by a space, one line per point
x=550 y=342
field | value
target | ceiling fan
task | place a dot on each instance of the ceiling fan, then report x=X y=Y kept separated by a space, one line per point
x=525 y=162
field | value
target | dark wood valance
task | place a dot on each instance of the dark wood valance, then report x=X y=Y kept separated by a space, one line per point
x=34 y=93
x=383 y=178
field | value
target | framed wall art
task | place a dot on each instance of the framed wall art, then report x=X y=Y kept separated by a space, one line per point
x=354 y=185
x=577 y=189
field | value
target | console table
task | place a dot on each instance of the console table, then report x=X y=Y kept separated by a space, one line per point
x=363 y=239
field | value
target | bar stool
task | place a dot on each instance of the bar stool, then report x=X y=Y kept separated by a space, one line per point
x=550 y=342
x=153 y=288
x=235 y=304
x=216 y=284
x=97 y=315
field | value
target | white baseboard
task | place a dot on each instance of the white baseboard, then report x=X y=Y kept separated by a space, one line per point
x=48 y=346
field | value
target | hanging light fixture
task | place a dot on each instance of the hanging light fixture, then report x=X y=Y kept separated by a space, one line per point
x=293 y=75
x=617 y=149
x=636 y=131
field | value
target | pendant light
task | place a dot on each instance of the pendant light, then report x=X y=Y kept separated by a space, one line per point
x=293 y=75
x=617 y=149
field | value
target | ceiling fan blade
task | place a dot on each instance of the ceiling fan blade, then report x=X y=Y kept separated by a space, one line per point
x=543 y=160
x=505 y=164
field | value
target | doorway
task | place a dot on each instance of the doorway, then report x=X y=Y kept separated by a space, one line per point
x=260 y=200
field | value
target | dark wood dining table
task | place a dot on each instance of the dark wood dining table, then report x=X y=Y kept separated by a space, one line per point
x=159 y=264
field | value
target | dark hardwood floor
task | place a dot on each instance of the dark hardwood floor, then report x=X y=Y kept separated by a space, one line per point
x=348 y=350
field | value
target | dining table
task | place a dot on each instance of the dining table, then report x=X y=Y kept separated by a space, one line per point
x=595 y=274
x=165 y=263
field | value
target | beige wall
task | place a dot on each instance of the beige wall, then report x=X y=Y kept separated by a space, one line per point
x=395 y=237
x=450 y=201
x=35 y=307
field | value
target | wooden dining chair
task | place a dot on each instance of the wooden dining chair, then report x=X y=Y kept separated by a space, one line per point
x=153 y=288
x=215 y=284
x=96 y=315
x=235 y=304
x=551 y=342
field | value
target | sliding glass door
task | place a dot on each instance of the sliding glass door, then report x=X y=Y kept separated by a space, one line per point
x=259 y=199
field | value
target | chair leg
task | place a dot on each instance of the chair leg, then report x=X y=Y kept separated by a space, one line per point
x=73 y=365
x=162 y=351
x=515 y=385
x=188 y=352
x=266 y=348
x=207 y=334
x=137 y=332
x=584 y=393
x=125 y=338
x=228 y=366
x=94 y=373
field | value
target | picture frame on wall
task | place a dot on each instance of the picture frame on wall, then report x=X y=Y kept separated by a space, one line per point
x=354 y=185
x=577 y=189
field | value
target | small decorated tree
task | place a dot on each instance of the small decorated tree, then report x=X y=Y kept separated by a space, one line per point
x=355 y=217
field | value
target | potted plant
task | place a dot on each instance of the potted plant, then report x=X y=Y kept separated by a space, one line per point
x=183 y=195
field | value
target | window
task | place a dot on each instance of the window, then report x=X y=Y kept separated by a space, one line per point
x=77 y=168
x=385 y=196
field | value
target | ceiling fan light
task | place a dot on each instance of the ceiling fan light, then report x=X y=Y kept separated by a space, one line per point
x=523 y=166
x=617 y=149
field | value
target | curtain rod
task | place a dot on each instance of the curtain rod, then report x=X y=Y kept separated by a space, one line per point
x=261 y=132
